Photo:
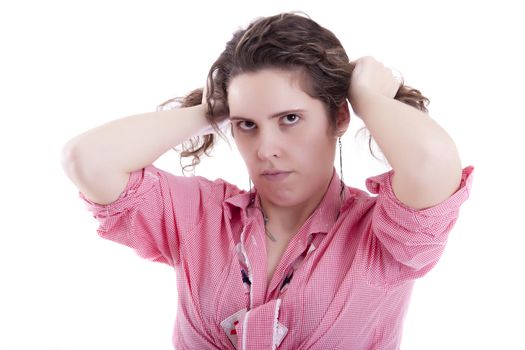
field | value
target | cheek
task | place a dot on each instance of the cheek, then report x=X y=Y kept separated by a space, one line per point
x=244 y=148
x=317 y=151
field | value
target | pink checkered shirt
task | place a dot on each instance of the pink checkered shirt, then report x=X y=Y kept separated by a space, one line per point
x=344 y=281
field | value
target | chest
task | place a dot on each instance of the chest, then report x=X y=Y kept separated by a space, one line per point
x=274 y=253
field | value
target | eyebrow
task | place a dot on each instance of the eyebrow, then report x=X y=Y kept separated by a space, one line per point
x=275 y=115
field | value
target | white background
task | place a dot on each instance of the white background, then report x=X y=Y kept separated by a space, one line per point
x=68 y=66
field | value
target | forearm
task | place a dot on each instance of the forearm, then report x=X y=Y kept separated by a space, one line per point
x=99 y=161
x=131 y=143
x=408 y=137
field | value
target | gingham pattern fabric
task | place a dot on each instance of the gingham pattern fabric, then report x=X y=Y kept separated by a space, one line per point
x=344 y=281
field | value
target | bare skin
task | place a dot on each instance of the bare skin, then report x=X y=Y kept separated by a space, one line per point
x=278 y=127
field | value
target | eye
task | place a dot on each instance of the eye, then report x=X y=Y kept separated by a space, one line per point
x=246 y=125
x=290 y=119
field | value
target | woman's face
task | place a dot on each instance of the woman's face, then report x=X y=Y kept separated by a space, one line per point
x=279 y=128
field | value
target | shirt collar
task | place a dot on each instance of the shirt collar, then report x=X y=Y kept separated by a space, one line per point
x=320 y=221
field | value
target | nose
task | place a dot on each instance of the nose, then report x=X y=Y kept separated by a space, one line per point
x=269 y=147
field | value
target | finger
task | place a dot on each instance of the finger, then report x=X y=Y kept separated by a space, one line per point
x=356 y=64
x=352 y=65
x=358 y=60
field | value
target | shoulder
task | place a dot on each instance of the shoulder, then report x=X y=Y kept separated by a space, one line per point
x=188 y=185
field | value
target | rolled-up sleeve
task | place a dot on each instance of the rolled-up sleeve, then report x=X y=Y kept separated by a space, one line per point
x=414 y=238
x=152 y=213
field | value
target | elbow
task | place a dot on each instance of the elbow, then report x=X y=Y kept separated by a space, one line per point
x=440 y=174
x=68 y=153
x=70 y=159
x=444 y=157
x=442 y=147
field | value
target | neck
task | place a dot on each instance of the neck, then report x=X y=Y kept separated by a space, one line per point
x=284 y=222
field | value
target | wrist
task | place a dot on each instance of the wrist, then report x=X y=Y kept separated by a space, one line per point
x=362 y=99
x=208 y=129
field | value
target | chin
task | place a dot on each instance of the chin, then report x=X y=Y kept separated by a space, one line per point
x=282 y=199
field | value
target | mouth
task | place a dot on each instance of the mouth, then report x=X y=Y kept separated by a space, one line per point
x=275 y=175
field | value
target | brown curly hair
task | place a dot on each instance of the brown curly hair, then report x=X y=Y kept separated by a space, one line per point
x=290 y=41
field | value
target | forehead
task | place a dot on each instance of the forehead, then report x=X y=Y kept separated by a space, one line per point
x=268 y=91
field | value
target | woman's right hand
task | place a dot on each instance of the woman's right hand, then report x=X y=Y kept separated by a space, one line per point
x=218 y=107
x=220 y=115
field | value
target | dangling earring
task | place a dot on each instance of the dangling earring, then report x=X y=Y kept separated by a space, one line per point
x=341 y=194
x=252 y=195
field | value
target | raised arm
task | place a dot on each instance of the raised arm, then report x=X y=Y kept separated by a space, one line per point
x=426 y=163
x=100 y=160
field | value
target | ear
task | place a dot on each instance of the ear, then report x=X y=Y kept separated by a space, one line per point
x=342 y=119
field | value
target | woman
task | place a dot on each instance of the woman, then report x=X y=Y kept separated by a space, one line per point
x=300 y=261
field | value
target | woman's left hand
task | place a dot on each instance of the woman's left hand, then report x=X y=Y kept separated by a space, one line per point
x=371 y=78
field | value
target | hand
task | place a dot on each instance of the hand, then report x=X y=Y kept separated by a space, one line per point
x=219 y=112
x=370 y=77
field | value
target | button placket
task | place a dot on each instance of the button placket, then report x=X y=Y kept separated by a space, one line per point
x=246 y=270
x=293 y=267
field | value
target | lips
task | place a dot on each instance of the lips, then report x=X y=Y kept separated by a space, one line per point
x=275 y=175
x=274 y=172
